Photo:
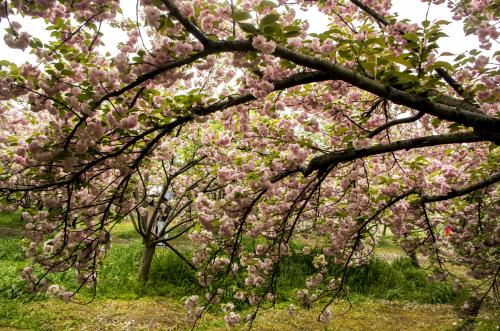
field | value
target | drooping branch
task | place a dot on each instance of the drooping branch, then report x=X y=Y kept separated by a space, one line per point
x=432 y=234
x=291 y=81
x=325 y=161
x=357 y=240
x=495 y=178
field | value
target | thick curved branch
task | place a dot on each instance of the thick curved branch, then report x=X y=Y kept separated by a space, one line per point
x=480 y=122
x=495 y=178
x=328 y=160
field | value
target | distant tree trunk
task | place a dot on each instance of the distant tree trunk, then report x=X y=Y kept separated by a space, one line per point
x=414 y=259
x=147 y=259
x=385 y=229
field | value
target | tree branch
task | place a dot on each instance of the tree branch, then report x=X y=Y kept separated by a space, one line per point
x=190 y=26
x=440 y=71
x=480 y=122
x=395 y=122
x=495 y=178
x=325 y=161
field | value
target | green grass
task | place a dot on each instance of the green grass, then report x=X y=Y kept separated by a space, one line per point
x=171 y=278
x=400 y=280
x=125 y=230
x=11 y=226
x=118 y=276
x=11 y=249
x=11 y=220
x=387 y=242
x=378 y=279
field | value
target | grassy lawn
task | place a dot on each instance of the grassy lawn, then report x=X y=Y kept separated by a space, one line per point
x=387 y=294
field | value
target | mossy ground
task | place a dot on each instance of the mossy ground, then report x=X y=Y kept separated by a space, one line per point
x=165 y=314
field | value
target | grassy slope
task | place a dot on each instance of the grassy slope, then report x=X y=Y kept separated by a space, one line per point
x=123 y=303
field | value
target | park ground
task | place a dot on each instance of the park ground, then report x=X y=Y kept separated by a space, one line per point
x=387 y=294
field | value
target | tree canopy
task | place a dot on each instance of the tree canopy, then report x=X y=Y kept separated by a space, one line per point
x=271 y=132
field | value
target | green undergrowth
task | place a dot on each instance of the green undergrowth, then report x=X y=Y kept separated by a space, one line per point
x=125 y=230
x=170 y=276
x=378 y=279
x=10 y=220
x=171 y=279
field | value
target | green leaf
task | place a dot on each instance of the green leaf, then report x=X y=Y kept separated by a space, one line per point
x=443 y=64
x=446 y=54
x=269 y=19
x=272 y=29
x=411 y=37
x=247 y=27
x=51 y=72
x=12 y=140
x=241 y=16
x=292 y=33
x=165 y=22
x=264 y=4
x=442 y=22
x=158 y=3
x=454 y=127
x=66 y=72
x=59 y=66
x=213 y=37
x=435 y=36
x=435 y=122
x=403 y=61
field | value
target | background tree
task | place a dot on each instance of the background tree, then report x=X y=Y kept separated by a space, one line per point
x=167 y=196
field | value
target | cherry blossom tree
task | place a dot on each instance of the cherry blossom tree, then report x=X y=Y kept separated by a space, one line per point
x=327 y=135
x=167 y=195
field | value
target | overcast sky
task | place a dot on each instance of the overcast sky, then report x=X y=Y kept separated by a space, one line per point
x=414 y=10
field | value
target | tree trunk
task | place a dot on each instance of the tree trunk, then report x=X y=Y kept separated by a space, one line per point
x=147 y=259
x=414 y=259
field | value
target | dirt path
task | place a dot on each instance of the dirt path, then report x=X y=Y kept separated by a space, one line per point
x=9 y=232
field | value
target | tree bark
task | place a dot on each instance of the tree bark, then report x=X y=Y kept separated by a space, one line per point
x=414 y=260
x=147 y=259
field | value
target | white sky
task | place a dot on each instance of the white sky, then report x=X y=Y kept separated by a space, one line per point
x=414 y=10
